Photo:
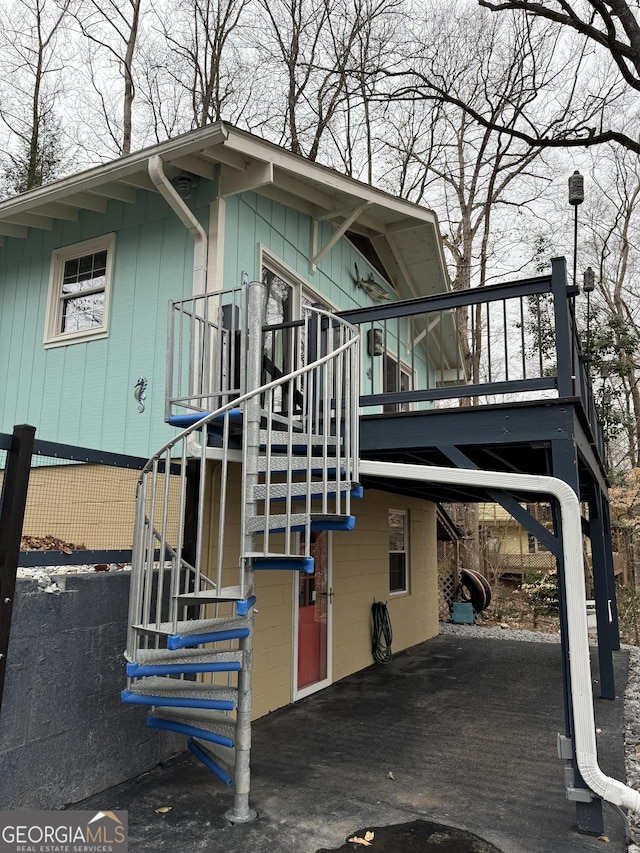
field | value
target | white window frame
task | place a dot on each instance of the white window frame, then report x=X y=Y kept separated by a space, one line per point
x=53 y=337
x=405 y=551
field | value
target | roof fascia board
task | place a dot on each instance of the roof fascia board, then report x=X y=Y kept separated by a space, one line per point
x=117 y=170
x=297 y=165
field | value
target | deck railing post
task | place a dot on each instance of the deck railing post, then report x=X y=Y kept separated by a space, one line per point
x=566 y=369
x=12 y=504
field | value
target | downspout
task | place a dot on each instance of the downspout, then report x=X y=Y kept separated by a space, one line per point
x=584 y=733
x=185 y=215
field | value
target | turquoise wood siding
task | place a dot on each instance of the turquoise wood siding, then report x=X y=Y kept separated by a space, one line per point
x=252 y=220
x=82 y=393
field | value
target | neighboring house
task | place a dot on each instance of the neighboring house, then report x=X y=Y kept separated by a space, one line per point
x=507 y=548
x=87 y=268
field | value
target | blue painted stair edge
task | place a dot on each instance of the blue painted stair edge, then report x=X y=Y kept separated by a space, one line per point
x=184 y=421
x=190 y=731
x=139 y=670
x=305 y=565
x=130 y=698
x=209 y=763
x=184 y=641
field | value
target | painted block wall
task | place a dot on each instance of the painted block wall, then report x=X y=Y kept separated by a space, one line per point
x=360 y=574
x=64 y=735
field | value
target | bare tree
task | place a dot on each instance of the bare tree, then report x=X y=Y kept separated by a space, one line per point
x=30 y=31
x=610 y=29
x=205 y=59
x=111 y=28
x=317 y=49
x=475 y=178
x=614 y=325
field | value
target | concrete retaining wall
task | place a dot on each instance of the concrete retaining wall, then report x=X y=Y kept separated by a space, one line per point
x=63 y=733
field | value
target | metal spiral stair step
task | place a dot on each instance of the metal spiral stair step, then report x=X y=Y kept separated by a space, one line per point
x=314 y=465
x=178 y=693
x=281 y=422
x=214 y=425
x=225 y=593
x=208 y=722
x=297 y=521
x=283 y=562
x=217 y=759
x=186 y=661
x=198 y=632
x=298 y=491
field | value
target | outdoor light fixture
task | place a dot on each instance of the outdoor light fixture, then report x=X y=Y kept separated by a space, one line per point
x=576 y=197
x=184 y=185
x=589 y=280
x=576 y=188
x=374 y=342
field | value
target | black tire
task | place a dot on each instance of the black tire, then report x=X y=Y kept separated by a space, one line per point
x=476 y=589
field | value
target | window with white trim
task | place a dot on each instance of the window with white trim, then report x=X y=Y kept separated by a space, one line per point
x=398 y=550
x=79 y=291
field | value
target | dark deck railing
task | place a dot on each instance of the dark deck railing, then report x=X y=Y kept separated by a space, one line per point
x=503 y=343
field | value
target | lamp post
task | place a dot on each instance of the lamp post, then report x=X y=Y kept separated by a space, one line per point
x=576 y=197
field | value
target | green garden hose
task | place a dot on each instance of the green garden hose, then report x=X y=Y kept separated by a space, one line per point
x=382 y=635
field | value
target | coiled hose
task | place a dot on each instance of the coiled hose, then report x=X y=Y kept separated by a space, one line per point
x=382 y=635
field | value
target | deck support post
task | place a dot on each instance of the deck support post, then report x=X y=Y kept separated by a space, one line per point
x=604 y=592
x=589 y=815
x=241 y=812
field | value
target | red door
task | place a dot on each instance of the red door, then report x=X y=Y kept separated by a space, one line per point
x=313 y=612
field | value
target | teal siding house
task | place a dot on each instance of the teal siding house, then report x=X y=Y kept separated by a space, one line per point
x=280 y=342
x=72 y=352
x=157 y=293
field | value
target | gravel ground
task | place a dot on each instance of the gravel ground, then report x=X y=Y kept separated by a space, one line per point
x=631 y=700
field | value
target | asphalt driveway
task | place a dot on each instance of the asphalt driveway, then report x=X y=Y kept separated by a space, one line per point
x=452 y=744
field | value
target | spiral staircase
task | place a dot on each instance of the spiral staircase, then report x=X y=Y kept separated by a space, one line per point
x=240 y=489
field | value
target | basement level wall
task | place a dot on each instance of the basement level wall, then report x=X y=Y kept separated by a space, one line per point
x=63 y=733
x=360 y=576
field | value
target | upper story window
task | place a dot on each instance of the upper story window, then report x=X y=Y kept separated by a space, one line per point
x=79 y=291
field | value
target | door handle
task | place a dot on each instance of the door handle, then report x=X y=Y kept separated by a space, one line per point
x=330 y=595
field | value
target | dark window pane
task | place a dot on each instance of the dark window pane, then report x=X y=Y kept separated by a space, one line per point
x=397 y=573
x=84 y=312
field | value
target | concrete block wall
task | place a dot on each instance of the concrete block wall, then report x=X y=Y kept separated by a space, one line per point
x=64 y=735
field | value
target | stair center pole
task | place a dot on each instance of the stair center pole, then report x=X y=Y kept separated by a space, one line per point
x=241 y=812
